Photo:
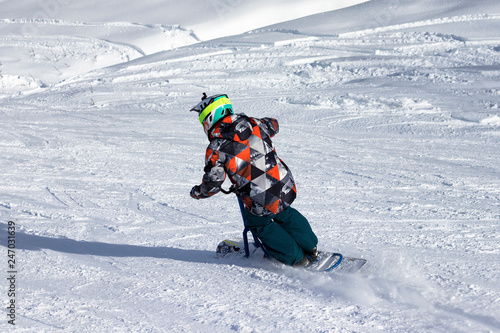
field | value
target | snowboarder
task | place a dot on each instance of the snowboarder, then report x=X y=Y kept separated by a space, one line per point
x=241 y=147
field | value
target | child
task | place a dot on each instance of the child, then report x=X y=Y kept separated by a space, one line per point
x=241 y=147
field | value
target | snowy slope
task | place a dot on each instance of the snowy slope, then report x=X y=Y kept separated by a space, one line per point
x=57 y=40
x=390 y=121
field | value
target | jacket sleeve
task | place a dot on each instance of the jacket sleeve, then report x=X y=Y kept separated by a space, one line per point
x=214 y=175
x=270 y=125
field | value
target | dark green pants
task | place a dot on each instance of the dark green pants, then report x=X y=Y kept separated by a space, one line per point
x=285 y=235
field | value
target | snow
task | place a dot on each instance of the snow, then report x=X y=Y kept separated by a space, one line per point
x=389 y=121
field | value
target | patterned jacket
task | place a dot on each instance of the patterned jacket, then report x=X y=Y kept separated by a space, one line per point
x=241 y=147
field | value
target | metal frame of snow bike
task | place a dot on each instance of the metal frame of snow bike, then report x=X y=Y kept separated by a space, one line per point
x=257 y=241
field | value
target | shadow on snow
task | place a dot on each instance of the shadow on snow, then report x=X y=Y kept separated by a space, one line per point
x=30 y=242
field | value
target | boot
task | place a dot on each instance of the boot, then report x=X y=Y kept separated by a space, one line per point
x=312 y=255
x=304 y=262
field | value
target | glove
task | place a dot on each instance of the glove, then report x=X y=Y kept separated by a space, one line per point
x=195 y=192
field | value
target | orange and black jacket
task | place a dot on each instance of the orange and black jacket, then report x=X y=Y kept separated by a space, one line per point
x=241 y=148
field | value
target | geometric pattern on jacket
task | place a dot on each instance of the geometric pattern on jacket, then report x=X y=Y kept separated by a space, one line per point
x=241 y=147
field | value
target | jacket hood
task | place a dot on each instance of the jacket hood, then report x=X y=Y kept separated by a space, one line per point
x=235 y=127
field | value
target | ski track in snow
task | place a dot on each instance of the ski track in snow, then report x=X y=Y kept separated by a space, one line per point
x=392 y=135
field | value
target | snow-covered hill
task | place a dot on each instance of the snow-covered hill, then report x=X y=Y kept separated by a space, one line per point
x=390 y=121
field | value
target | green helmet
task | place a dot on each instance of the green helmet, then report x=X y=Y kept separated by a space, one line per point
x=212 y=109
